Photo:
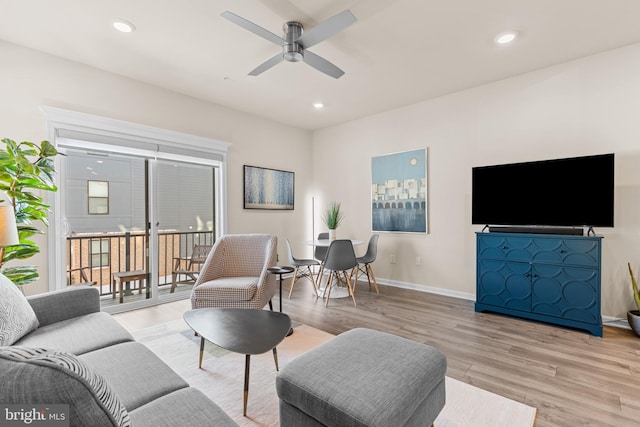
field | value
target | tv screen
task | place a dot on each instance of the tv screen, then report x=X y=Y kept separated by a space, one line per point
x=570 y=192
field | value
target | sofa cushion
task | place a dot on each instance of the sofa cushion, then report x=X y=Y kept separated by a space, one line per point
x=17 y=318
x=36 y=375
x=78 y=335
x=63 y=304
x=185 y=407
x=134 y=373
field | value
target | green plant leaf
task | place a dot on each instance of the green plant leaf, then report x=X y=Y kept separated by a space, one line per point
x=22 y=251
x=21 y=275
x=48 y=150
x=634 y=285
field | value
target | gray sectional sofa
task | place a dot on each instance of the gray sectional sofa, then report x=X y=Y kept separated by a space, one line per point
x=80 y=356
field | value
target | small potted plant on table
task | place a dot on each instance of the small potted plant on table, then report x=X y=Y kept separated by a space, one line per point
x=332 y=218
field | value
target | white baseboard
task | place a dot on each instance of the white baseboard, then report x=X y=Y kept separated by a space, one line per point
x=606 y=320
x=428 y=289
x=616 y=322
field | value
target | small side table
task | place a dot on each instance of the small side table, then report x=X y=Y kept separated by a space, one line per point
x=280 y=271
x=128 y=276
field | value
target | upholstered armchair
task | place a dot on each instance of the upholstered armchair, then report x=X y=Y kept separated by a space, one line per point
x=235 y=273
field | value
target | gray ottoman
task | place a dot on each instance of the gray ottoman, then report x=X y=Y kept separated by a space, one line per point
x=363 y=378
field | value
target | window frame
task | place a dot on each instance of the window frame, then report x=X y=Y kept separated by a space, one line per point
x=90 y=197
x=132 y=139
x=103 y=244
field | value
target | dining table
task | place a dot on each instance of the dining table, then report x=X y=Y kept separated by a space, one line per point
x=326 y=242
x=337 y=291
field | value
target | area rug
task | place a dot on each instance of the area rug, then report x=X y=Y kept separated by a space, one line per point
x=221 y=378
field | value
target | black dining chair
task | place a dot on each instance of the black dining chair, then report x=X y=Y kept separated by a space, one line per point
x=298 y=263
x=365 y=261
x=320 y=253
x=340 y=259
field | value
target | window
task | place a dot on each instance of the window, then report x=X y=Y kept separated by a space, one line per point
x=98 y=197
x=99 y=253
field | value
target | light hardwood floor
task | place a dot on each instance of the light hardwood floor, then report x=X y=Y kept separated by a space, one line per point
x=571 y=377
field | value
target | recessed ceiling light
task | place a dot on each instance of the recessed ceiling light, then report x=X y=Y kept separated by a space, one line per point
x=123 y=26
x=506 y=37
x=318 y=105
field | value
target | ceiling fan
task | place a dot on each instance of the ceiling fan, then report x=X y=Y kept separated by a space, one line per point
x=295 y=44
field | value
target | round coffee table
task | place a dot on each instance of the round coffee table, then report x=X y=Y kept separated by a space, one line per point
x=240 y=330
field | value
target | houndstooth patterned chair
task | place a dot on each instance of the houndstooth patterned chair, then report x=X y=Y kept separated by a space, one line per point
x=235 y=273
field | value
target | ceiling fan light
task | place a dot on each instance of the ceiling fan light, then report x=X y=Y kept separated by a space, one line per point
x=293 y=52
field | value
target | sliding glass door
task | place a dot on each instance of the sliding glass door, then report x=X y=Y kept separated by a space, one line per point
x=132 y=223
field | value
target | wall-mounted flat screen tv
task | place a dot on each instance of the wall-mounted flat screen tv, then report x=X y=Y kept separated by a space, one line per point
x=571 y=192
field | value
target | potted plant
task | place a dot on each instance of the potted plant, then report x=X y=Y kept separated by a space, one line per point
x=25 y=167
x=633 y=316
x=332 y=218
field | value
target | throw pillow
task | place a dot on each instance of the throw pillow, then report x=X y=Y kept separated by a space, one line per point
x=17 y=318
x=78 y=374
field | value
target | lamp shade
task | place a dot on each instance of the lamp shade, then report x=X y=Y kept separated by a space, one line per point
x=8 y=229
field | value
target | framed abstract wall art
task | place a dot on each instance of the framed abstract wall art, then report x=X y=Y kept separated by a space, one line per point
x=399 y=192
x=268 y=188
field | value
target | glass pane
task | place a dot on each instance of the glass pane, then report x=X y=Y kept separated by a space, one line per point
x=98 y=206
x=98 y=189
x=185 y=220
x=114 y=242
x=95 y=260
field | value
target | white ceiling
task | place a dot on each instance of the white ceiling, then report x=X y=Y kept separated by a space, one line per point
x=398 y=52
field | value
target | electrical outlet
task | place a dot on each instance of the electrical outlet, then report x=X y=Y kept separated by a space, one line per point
x=418 y=260
x=393 y=258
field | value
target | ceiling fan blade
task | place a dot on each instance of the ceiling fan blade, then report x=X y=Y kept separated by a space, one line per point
x=322 y=65
x=267 y=64
x=326 y=29
x=255 y=29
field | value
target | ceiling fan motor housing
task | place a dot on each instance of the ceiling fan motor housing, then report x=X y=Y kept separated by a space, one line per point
x=292 y=51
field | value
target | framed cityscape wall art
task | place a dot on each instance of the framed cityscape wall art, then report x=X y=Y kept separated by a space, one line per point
x=266 y=188
x=399 y=192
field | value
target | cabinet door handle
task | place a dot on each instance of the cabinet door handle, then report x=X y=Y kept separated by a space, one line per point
x=562 y=251
x=505 y=247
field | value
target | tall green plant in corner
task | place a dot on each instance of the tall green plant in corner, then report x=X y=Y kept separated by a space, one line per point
x=25 y=167
x=633 y=316
x=634 y=285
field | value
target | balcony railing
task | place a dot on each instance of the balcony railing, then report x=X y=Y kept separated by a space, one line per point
x=95 y=257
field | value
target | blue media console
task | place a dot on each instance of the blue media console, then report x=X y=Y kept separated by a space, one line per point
x=549 y=278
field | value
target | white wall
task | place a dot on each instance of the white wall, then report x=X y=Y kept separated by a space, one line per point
x=29 y=79
x=585 y=107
